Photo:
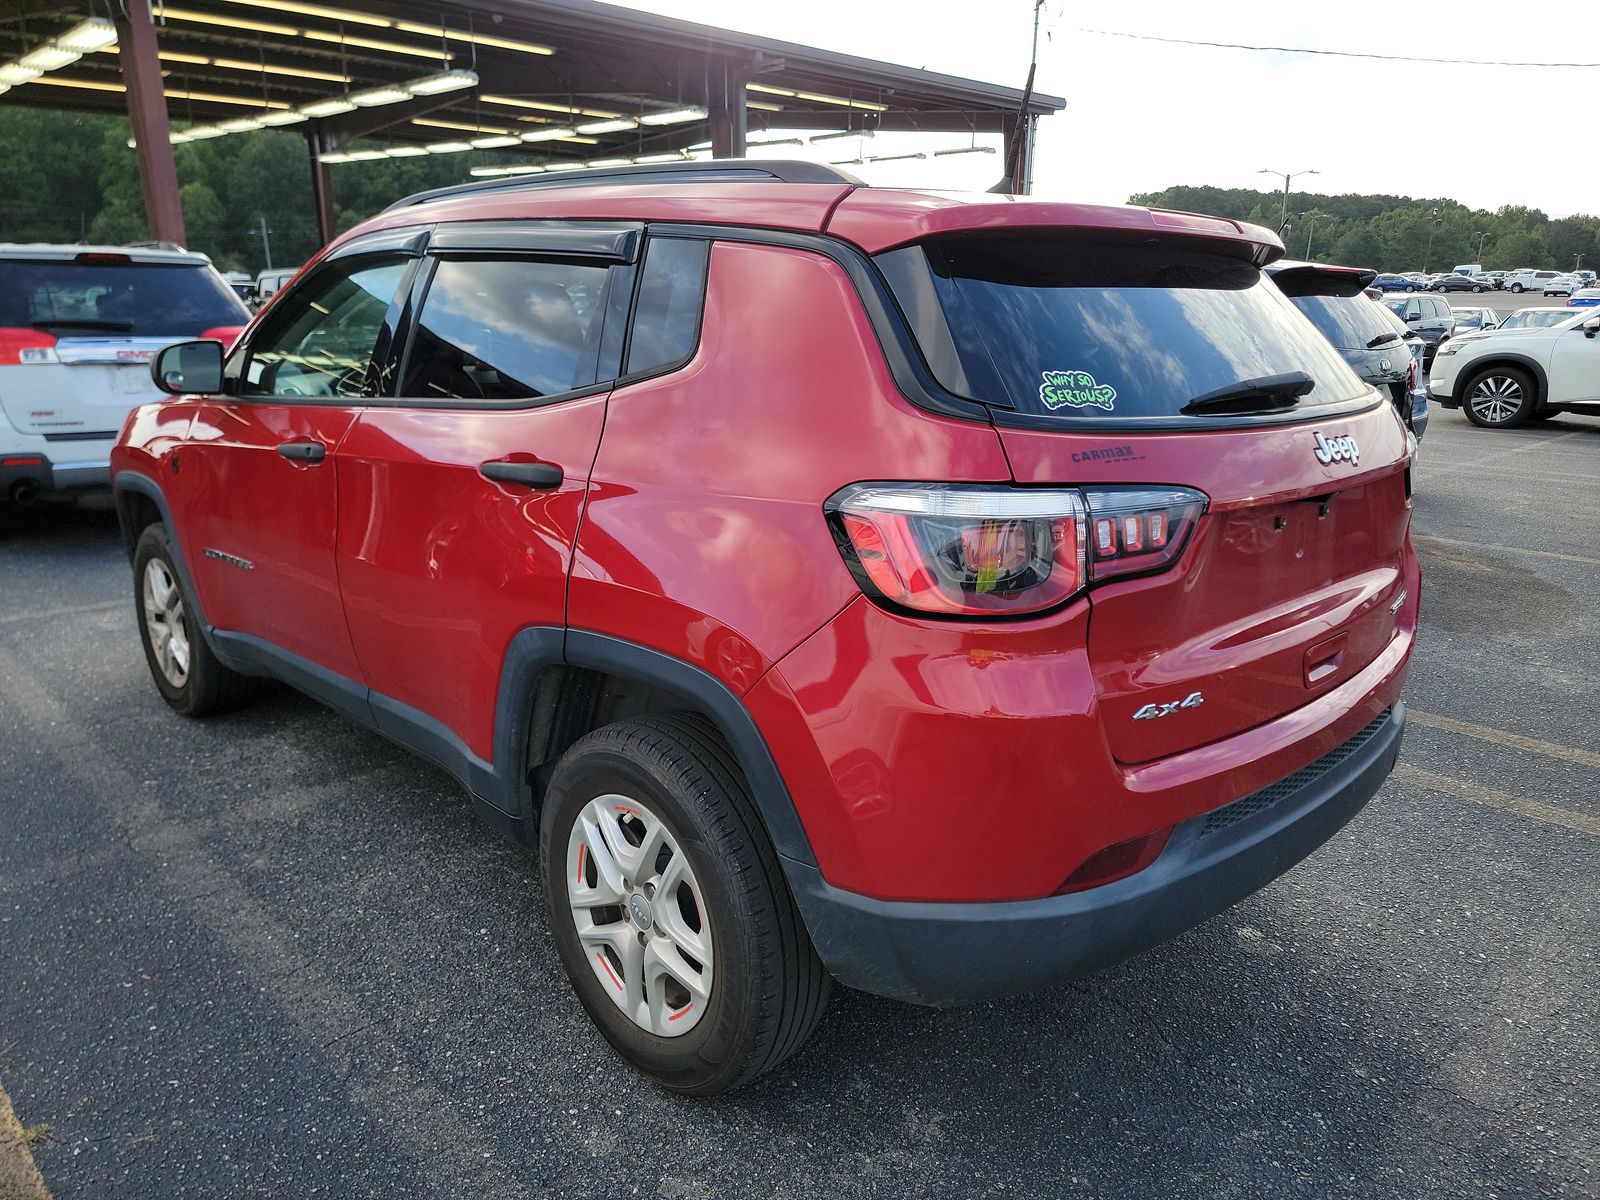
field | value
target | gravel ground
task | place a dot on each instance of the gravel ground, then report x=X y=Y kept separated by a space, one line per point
x=269 y=955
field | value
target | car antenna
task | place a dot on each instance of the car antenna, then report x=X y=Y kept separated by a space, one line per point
x=1013 y=183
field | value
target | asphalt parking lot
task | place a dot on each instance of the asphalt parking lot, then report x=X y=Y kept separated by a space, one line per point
x=269 y=955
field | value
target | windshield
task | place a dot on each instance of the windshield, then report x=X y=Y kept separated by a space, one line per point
x=97 y=299
x=1351 y=322
x=1103 y=330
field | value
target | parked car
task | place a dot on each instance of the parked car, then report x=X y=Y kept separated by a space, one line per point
x=1474 y=320
x=1561 y=285
x=269 y=282
x=1458 y=283
x=1376 y=343
x=1584 y=298
x=716 y=599
x=1496 y=278
x=77 y=327
x=1535 y=318
x=1396 y=283
x=1503 y=379
x=1528 y=280
x=1429 y=317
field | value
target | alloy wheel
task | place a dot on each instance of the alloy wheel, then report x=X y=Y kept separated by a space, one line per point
x=640 y=915
x=164 y=622
x=1495 y=399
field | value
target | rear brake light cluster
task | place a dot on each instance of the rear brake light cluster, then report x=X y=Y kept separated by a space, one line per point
x=980 y=550
x=26 y=346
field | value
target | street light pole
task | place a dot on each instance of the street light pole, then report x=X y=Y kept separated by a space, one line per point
x=1481 y=238
x=1286 y=176
x=1433 y=225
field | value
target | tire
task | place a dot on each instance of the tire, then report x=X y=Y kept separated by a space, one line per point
x=1517 y=288
x=1477 y=287
x=1411 y=289
x=1499 y=397
x=730 y=912
x=185 y=671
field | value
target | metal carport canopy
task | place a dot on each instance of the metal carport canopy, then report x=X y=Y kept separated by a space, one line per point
x=639 y=85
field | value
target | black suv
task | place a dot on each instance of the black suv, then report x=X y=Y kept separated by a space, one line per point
x=1429 y=317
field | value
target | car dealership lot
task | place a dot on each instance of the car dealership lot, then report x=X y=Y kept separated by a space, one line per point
x=271 y=955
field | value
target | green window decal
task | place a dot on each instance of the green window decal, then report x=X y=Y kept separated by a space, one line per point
x=1075 y=389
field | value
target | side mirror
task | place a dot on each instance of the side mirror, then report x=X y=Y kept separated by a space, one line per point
x=1489 y=326
x=188 y=368
x=1591 y=327
x=1413 y=318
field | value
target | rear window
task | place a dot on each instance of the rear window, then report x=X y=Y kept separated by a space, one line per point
x=139 y=299
x=1351 y=322
x=1101 y=330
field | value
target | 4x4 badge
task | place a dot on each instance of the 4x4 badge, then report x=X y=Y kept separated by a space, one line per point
x=1339 y=449
x=1151 y=711
x=1075 y=389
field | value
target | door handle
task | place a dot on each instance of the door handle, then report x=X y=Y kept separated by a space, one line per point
x=537 y=475
x=309 y=452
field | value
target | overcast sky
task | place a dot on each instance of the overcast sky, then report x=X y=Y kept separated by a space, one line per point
x=1142 y=116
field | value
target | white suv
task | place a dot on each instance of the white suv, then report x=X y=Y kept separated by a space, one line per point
x=78 y=325
x=1508 y=376
x=1528 y=280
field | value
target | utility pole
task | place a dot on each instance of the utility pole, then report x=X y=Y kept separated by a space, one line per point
x=1433 y=224
x=266 y=242
x=1286 y=176
x=1481 y=238
x=1579 y=263
x=1312 y=217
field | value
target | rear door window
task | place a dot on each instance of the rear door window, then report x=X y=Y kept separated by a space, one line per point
x=133 y=299
x=1105 y=331
x=506 y=329
x=666 y=321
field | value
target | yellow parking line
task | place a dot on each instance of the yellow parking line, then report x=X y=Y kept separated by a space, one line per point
x=1429 y=537
x=1536 y=810
x=1500 y=737
x=19 y=1176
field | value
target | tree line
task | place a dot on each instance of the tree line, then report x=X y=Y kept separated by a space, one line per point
x=1399 y=233
x=71 y=177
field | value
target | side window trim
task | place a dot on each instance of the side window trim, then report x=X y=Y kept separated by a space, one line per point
x=380 y=246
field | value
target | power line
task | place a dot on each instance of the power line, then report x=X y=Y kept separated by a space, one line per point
x=1460 y=62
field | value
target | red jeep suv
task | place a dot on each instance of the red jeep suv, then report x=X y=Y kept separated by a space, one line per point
x=945 y=595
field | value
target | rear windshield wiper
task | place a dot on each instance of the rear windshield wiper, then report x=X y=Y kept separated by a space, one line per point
x=1266 y=394
x=1391 y=336
x=107 y=326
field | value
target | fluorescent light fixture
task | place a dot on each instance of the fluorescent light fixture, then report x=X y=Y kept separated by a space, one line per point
x=201 y=132
x=434 y=124
x=406 y=151
x=495 y=142
x=676 y=117
x=337 y=156
x=364 y=155
x=239 y=124
x=178 y=139
x=287 y=117
x=327 y=108
x=845 y=162
x=843 y=133
x=449 y=147
x=609 y=162
x=815 y=97
x=895 y=157
x=445 y=81
x=964 y=150
x=542 y=106
x=759 y=106
x=564 y=166
x=373 y=21
x=617 y=126
x=786 y=141
x=373 y=97
x=339 y=38
x=489 y=172
x=88 y=36
x=551 y=134
x=14 y=73
x=580 y=141
x=49 y=58
x=661 y=158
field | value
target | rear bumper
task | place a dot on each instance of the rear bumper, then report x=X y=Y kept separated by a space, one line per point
x=940 y=954
x=27 y=468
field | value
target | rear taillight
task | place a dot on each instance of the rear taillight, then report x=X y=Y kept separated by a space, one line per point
x=26 y=346
x=961 y=550
x=979 y=550
x=1134 y=530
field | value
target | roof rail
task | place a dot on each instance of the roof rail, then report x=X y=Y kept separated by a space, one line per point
x=715 y=170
